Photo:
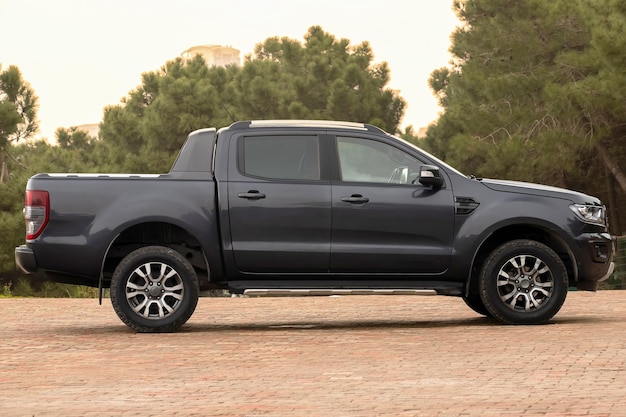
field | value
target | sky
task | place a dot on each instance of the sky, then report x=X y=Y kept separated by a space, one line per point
x=82 y=55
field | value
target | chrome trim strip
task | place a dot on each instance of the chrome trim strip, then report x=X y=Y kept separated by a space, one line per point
x=320 y=291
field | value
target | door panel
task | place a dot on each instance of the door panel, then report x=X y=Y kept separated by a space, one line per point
x=384 y=221
x=399 y=229
x=279 y=208
x=286 y=231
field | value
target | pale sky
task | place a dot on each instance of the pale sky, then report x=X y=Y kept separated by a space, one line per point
x=82 y=55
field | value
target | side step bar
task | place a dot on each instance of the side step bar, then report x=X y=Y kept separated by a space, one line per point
x=282 y=292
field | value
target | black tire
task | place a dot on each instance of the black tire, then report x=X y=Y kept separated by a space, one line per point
x=154 y=290
x=523 y=282
x=474 y=302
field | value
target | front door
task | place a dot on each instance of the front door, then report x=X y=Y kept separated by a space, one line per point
x=279 y=205
x=384 y=220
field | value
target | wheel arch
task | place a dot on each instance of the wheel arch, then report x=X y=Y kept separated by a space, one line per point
x=521 y=231
x=156 y=233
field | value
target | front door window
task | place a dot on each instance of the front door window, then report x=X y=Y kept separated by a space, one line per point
x=372 y=161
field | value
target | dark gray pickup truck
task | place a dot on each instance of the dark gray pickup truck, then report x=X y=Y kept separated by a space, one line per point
x=312 y=208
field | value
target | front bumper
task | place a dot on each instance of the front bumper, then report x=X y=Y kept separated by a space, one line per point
x=608 y=274
x=25 y=259
x=596 y=262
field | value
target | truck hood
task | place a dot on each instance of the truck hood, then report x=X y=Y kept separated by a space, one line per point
x=539 y=189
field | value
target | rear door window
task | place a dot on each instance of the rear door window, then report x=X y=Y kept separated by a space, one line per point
x=289 y=157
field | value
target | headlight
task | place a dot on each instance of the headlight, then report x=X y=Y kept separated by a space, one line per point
x=589 y=213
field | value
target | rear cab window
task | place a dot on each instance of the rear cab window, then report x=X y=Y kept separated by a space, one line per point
x=288 y=157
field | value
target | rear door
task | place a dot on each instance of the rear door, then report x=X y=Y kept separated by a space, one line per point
x=279 y=204
x=384 y=220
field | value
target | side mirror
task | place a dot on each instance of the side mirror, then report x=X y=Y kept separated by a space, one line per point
x=430 y=176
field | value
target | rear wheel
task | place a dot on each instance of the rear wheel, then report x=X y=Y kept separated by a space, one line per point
x=523 y=282
x=154 y=289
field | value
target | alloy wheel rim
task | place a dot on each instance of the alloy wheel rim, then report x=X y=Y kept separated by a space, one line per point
x=525 y=283
x=154 y=290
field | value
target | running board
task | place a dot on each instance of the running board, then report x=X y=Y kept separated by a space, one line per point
x=282 y=292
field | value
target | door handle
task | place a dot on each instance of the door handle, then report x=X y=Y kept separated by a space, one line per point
x=355 y=199
x=251 y=195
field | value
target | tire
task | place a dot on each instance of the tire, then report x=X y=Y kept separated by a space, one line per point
x=474 y=302
x=154 y=290
x=523 y=282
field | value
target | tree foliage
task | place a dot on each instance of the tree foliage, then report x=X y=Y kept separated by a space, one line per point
x=593 y=100
x=535 y=87
x=18 y=111
x=145 y=131
x=322 y=78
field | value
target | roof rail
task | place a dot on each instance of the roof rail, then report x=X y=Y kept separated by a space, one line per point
x=306 y=123
x=330 y=124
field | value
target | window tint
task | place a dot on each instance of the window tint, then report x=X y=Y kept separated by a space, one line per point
x=364 y=160
x=280 y=157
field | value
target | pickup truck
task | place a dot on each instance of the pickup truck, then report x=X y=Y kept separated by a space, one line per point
x=277 y=207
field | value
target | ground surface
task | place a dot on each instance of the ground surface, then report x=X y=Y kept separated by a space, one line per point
x=326 y=356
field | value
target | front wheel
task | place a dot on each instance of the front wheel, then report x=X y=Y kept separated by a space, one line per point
x=523 y=282
x=474 y=302
x=154 y=289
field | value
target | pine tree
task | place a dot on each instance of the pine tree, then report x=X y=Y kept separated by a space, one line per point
x=18 y=110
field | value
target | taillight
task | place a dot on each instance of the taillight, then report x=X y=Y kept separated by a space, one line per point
x=36 y=212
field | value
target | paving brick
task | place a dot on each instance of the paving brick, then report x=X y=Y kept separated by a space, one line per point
x=317 y=356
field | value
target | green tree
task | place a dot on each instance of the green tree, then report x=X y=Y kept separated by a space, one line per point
x=535 y=87
x=145 y=131
x=77 y=152
x=592 y=99
x=18 y=110
x=12 y=228
x=498 y=120
x=324 y=78
x=72 y=137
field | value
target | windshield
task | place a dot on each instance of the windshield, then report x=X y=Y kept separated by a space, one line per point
x=434 y=158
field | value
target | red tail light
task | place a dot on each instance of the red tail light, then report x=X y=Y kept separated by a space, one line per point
x=36 y=212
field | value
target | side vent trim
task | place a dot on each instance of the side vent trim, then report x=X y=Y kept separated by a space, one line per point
x=465 y=205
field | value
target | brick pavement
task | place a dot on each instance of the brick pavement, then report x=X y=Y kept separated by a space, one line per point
x=322 y=356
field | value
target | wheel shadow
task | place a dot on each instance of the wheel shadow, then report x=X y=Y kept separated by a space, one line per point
x=356 y=325
x=327 y=325
x=284 y=325
x=345 y=325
